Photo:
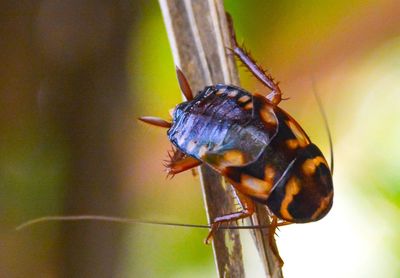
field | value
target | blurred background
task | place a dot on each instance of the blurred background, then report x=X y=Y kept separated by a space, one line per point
x=75 y=75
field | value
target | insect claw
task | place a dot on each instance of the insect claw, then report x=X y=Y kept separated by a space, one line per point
x=230 y=51
x=214 y=228
x=194 y=172
x=170 y=176
x=208 y=239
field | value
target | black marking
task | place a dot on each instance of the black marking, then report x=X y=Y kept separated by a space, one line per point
x=312 y=188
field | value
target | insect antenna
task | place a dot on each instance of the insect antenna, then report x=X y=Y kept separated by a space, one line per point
x=155 y=121
x=184 y=84
x=325 y=118
x=124 y=220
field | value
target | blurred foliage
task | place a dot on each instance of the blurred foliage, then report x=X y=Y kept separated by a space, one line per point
x=350 y=48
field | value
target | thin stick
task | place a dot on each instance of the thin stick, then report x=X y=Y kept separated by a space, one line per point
x=199 y=37
x=197 y=49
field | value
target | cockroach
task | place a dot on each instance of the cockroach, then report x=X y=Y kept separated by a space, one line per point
x=257 y=146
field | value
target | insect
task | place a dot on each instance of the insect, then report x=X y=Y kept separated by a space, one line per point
x=257 y=146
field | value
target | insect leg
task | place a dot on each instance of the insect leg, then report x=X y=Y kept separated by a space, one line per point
x=272 y=242
x=155 y=121
x=184 y=85
x=174 y=167
x=275 y=95
x=248 y=208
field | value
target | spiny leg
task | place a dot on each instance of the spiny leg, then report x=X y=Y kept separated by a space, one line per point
x=272 y=243
x=248 y=208
x=184 y=84
x=271 y=233
x=175 y=166
x=275 y=95
x=155 y=121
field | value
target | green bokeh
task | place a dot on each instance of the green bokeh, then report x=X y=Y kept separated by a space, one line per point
x=358 y=85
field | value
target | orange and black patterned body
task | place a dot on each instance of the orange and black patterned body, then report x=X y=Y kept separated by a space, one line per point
x=258 y=147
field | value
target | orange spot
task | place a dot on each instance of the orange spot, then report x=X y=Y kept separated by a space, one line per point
x=222 y=160
x=244 y=98
x=269 y=174
x=233 y=158
x=292 y=188
x=219 y=92
x=299 y=133
x=254 y=187
x=248 y=106
x=292 y=143
x=310 y=165
x=324 y=203
x=267 y=115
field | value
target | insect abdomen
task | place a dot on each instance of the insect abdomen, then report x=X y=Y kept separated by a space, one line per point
x=291 y=175
x=305 y=191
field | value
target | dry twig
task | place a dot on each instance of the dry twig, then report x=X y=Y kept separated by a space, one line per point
x=198 y=36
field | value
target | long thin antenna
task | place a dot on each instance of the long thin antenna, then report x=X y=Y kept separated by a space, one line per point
x=322 y=110
x=126 y=221
x=155 y=121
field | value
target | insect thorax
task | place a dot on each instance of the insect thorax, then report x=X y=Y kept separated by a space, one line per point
x=219 y=118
